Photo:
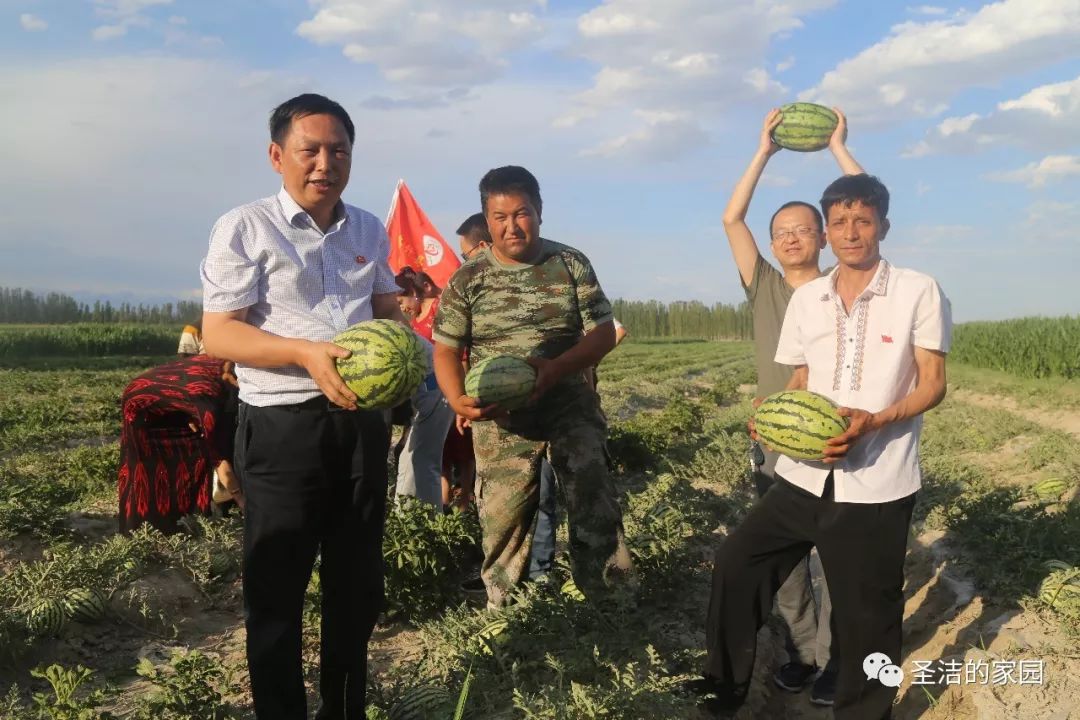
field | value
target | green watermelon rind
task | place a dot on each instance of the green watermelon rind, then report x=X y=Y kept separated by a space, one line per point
x=805 y=127
x=86 y=605
x=502 y=379
x=418 y=703
x=46 y=618
x=781 y=423
x=387 y=363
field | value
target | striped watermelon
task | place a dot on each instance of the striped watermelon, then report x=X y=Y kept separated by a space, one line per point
x=387 y=364
x=502 y=379
x=1061 y=588
x=86 y=605
x=1050 y=489
x=797 y=423
x=489 y=635
x=425 y=702
x=805 y=127
x=48 y=617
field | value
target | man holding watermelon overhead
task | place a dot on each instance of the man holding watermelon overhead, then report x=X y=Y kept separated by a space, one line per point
x=282 y=277
x=797 y=238
x=872 y=338
x=538 y=300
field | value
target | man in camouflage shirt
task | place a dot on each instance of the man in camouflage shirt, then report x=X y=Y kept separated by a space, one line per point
x=538 y=300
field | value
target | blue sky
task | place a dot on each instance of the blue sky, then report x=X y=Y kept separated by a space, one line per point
x=131 y=125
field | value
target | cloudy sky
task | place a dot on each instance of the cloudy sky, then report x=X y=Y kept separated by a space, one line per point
x=131 y=125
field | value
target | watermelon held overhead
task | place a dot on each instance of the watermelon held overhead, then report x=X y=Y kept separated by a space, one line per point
x=387 y=364
x=798 y=423
x=805 y=127
x=502 y=379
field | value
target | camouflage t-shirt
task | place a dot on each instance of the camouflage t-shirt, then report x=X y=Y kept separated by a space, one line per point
x=538 y=309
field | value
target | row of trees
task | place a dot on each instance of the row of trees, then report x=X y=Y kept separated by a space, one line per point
x=23 y=306
x=682 y=319
x=643 y=319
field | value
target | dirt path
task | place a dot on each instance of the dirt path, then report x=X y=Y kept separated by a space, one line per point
x=1064 y=420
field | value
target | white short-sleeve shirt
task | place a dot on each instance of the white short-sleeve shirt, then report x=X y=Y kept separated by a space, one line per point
x=296 y=281
x=865 y=359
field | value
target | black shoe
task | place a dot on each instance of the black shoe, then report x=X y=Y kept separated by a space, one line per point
x=794 y=676
x=824 y=690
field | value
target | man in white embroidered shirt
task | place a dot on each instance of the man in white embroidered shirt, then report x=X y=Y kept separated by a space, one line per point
x=873 y=338
x=283 y=275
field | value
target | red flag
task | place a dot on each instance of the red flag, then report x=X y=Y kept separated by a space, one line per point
x=414 y=241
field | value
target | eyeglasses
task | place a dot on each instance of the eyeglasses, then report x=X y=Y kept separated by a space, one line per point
x=803 y=231
x=465 y=255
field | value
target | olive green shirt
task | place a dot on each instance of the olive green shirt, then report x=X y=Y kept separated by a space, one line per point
x=537 y=309
x=768 y=294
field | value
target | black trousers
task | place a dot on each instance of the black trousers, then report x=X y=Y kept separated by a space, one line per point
x=862 y=548
x=315 y=483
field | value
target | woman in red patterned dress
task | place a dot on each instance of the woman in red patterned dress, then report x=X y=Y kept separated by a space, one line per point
x=179 y=420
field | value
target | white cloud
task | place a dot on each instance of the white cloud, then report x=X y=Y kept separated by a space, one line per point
x=786 y=64
x=695 y=57
x=770 y=179
x=125 y=8
x=109 y=32
x=1045 y=119
x=32 y=23
x=921 y=66
x=124 y=15
x=178 y=20
x=664 y=136
x=426 y=42
x=927 y=10
x=1050 y=169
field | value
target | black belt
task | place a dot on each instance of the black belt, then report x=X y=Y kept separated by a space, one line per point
x=319 y=403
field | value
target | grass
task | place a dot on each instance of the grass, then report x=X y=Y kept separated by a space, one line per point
x=678 y=422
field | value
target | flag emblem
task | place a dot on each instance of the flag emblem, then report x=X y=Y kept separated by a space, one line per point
x=886 y=338
x=419 y=244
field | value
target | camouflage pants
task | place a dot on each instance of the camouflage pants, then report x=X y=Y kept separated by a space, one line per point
x=566 y=425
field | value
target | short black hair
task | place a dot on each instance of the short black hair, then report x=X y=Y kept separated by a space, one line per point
x=798 y=203
x=475 y=230
x=862 y=188
x=510 y=179
x=301 y=106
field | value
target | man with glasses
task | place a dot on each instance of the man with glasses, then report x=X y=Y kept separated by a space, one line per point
x=797 y=241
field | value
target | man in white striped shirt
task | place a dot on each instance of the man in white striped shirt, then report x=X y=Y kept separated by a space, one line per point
x=282 y=277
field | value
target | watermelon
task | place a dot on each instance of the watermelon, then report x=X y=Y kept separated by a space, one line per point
x=425 y=702
x=572 y=591
x=797 y=423
x=86 y=605
x=502 y=379
x=805 y=127
x=387 y=364
x=1061 y=588
x=489 y=635
x=48 y=617
x=1051 y=488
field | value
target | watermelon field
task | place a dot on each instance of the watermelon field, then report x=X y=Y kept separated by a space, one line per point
x=94 y=624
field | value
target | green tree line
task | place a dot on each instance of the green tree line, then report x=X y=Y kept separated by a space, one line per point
x=23 y=306
x=685 y=319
